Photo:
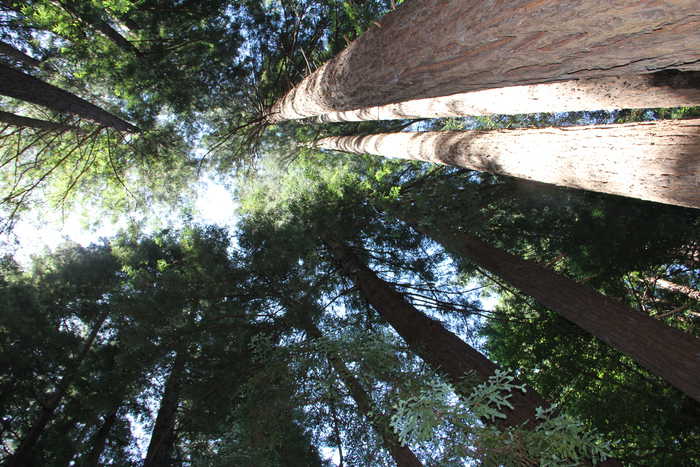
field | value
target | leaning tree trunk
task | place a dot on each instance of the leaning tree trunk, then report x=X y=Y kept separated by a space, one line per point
x=27 y=122
x=655 y=161
x=23 y=454
x=665 y=351
x=162 y=442
x=99 y=441
x=468 y=45
x=663 y=89
x=677 y=288
x=402 y=455
x=19 y=85
x=428 y=338
x=10 y=51
x=92 y=19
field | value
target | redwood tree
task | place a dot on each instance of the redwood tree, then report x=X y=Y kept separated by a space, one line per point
x=656 y=161
x=466 y=45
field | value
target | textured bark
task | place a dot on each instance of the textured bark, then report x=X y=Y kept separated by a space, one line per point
x=27 y=122
x=664 y=89
x=402 y=455
x=678 y=288
x=665 y=351
x=449 y=47
x=98 y=24
x=23 y=454
x=655 y=161
x=162 y=442
x=10 y=51
x=100 y=440
x=19 y=85
x=437 y=346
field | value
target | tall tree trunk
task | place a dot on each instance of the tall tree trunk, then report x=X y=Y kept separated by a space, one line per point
x=99 y=442
x=92 y=19
x=23 y=454
x=656 y=161
x=440 y=348
x=665 y=351
x=677 y=288
x=468 y=45
x=663 y=89
x=162 y=444
x=19 y=85
x=27 y=122
x=10 y=51
x=402 y=455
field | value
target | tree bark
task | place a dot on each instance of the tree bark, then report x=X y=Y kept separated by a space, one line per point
x=663 y=89
x=402 y=455
x=677 y=288
x=100 y=440
x=665 y=351
x=10 y=51
x=162 y=442
x=449 y=47
x=655 y=161
x=93 y=20
x=27 y=122
x=23 y=454
x=19 y=85
x=440 y=348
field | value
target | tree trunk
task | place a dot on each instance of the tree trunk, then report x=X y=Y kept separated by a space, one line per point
x=22 y=456
x=162 y=444
x=663 y=89
x=18 y=85
x=677 y=288
x=468 y=45
x=402 y=455
x=665 y=351
x=93 y=20
x=100 y=440
x=27 y=122
x=10 y=51
x=655 y=161
x=440 y=348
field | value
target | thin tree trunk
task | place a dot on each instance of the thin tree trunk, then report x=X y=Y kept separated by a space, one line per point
x=468 y=45
x=677 y=288
x=22 y=455
x=402 y=455
x=99 y=441
x=665 y=351
x=655 y=161
x=10 y=51
x=663 y=89
x=27 y=122
x=14 y=83
x=98 y=24
x=161 y=446
x=440 y=348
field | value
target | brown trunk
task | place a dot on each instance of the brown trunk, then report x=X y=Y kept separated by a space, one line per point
x=14 y=83
x=402 y=455
x=100 y=440
x=440 y=348
x=450 y=47
x=665 y=351
x=9 y=51
x=677 y=288
x=162 y=442
x=91 y=19
x=664 y=89
x=655 y=161
x=27 y=122
x=23 y=454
